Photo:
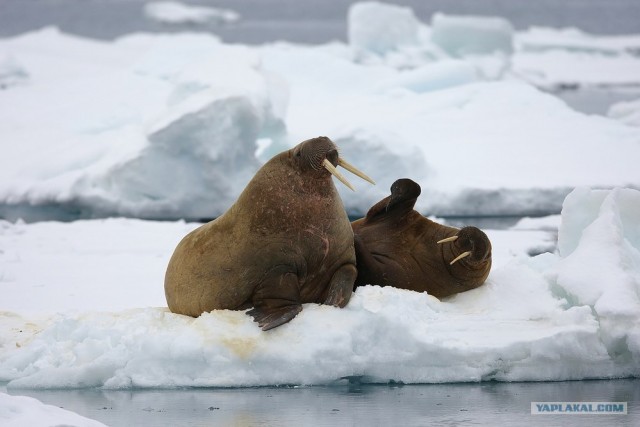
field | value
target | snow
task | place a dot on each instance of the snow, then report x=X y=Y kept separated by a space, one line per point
x=22 y=411
x=95 y=314
x=184 y=120
x=627 y=112
x=173 y=12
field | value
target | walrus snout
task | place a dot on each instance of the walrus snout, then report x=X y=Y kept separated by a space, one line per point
x=475 y=240
x=473 y=243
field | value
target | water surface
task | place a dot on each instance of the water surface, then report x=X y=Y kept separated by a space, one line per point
x=492 y=403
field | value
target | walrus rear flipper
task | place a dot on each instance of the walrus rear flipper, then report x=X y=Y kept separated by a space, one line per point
x=276 y=301
x=404 y=193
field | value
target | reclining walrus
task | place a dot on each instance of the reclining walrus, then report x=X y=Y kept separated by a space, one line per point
x=397 y=246
x=286 y=241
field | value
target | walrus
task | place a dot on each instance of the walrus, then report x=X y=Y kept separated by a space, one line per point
x=286 y=241
x=397 y=246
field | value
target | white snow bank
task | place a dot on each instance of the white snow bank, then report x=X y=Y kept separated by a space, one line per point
x=627 y=112
x=11 y=72
x=110 y=264
x=550 y=317
x=22 y=411
x=173 y=12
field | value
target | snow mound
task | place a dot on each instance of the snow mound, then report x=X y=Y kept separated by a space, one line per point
x=20 y=411
x=626 y=112
x=173 y=12
x=572 y=315
x=11 y=72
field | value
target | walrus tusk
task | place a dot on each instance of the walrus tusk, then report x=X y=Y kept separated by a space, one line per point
x=448 y=239
x=332 y=169
x=459 y=257
x=354 y=170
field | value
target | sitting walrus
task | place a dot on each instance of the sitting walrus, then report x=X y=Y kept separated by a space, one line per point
x=397 y=246
x=286 y=241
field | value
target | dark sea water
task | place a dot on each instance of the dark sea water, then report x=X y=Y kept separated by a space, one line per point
x=485 y=404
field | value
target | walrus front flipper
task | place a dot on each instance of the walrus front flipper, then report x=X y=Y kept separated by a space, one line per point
x=369 y=269
x=341 y=286
x=276 y=301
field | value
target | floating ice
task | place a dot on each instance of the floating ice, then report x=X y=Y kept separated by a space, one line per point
x=464 y=35
x=378 y=27
x=572 y=315
x=173 y=12
x=172 y=136
x=21 y=411
x=184 y=120
x=559 y=59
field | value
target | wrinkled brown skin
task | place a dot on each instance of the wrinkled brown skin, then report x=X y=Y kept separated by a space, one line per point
x=396 y=246
x=286 y=241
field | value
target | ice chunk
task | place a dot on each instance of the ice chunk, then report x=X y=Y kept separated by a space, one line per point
x=599 y=242
x=549 y=317
x=627 y=112
x=20 y=411
x=379 y=27
x=173 y=12
x=175 y=127
x=436 y=76
x=464 y=35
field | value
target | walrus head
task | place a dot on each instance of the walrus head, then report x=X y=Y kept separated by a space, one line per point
x=321 y=154
x=471 y=242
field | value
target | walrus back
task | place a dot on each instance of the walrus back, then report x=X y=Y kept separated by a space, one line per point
x=201 y=275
